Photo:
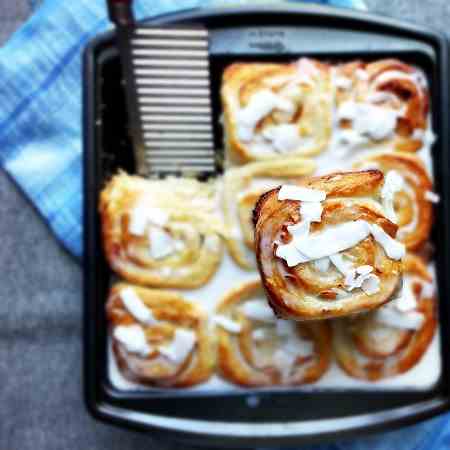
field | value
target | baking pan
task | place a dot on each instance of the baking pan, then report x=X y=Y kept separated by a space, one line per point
x=288 y=417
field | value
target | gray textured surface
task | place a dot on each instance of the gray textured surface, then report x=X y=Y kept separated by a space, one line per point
x=40 y=373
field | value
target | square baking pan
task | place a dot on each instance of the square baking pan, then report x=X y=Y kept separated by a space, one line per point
x=269 y=417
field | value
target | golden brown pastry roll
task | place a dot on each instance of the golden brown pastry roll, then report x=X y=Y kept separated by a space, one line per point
x=407 y=196
x=384 y=103
x=159 y=338
x=391 y=340
x=242 y=187
x=273 y=110
x=161 y=233
x=256 y=349
x=326 y=248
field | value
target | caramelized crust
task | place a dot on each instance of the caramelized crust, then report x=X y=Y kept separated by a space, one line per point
x=242 y=187
x=414 y=212
x=305 y=83
x=250 y=363
x=303 y=292
x=172 y=312
x=407 y=92
x=193 y=223
x=372 y=351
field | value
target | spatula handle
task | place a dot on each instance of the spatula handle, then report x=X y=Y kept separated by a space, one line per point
x=121 y=12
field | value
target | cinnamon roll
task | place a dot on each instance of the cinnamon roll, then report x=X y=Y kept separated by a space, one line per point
x=159 y=338
x=392 y=339
x=161 y=233
x=276 y=109
x=408 y=195
x=384 y=103
x=255 y=349
x=242 y=187
x=326 y=248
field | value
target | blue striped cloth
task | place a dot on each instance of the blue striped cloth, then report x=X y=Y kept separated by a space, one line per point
x=40 y=142
x=40 y=104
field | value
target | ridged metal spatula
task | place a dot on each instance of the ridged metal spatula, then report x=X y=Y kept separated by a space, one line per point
x=166 y=71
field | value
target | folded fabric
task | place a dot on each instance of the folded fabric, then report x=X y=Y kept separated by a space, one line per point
x=40 y=98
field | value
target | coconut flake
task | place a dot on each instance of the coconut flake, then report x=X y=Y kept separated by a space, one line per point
x=258 y=310
x=394 y=249
x=133 y=338
x=292 y=192
x=161 y=243
x=376 y=122
x=332 y=240
x=142 y=215
x=432 y=197
x=136 y=307
x=371 y=284
x=311 y=211
x=227 y=324
x=179 y=348
x=290 y=254
x=340 y=263
x=322 y=264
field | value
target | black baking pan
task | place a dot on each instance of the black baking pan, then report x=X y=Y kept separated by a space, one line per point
x=267 y=418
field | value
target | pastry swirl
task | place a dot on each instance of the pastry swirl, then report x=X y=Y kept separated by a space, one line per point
x=276 y=109
x=384 y=103
x=392 y=340
x=159 y=338
x=161 y=233
x=255 y=349
x=412 y=210
x=242 y=187
x=340 y=264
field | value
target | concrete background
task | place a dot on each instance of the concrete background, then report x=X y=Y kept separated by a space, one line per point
x=40 y=362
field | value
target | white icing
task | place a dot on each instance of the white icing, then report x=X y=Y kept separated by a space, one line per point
x=284 y=137
x=411 y=320
x=161 y=243
x=179 y=348
x=260 y=334
x=394 y=249
x=311 y=211
x=258 y=310
x=136 y=307
x=285 y=328
x=260 y=105
x=343 y=82
x=393 y=183
x=380 y=97
x=227 y=324
x=407 y=301
x=432 y=197
x=142 y=215
x=362 y=74
x=133 y=338
x=373 y=121
x=322 y=264
x=292 y=192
